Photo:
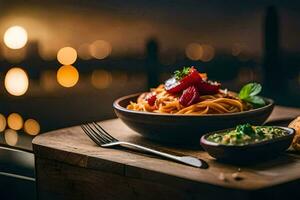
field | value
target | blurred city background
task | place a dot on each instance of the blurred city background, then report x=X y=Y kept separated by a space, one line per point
x=63 y=62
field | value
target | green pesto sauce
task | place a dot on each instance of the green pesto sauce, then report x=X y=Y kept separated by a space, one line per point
x=247 y=134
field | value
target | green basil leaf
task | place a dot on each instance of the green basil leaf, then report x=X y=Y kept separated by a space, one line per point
x=256 y=89
x=256 y=100
x=245 y=91
x=179 y=74
x=250 y=90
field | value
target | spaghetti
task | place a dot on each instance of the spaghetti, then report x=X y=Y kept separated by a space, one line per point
x=165 y=102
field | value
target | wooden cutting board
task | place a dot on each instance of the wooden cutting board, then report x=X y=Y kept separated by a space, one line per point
x=70 y=166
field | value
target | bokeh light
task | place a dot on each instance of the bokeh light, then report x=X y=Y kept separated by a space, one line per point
x=32 y=127
x=16 y=81
x=15 y=121
x=208 y=53
x=2 y=123
x=194 y=51
x=84 y=51
x=15 y=37
x=11 y=137
x=100 y=49
x=101 y=79
x=67 y=76
x=67 y=55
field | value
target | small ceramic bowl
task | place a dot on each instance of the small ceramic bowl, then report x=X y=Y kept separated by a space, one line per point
x=250 y=152
x=184 y=129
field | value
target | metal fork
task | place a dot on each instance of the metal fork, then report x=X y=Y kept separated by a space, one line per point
x=104 y=139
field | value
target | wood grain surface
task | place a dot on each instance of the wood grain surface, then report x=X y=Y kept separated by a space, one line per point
x=67 y=157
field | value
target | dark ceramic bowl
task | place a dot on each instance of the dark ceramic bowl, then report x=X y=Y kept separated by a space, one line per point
x=184 y=129
x=251 y=152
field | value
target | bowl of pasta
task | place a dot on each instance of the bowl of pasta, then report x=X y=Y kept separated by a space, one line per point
x=189 y=105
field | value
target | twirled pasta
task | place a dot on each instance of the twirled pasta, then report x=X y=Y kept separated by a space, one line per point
x=223 y=102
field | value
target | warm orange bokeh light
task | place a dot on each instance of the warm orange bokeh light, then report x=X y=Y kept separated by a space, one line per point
x=2 y=123
x=67 y=55
x=100 y=49
x=194 y=51
x=15 y=121
x=67 y=76
x=32 y=127
x=208 y=53
x=11 y=137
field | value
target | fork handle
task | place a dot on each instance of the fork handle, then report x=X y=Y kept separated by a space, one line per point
x=188 y=160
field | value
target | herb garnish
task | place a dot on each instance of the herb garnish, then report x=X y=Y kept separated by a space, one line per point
x=245 y=134
x=245 y=129
x=249 y=94
x=179 y=74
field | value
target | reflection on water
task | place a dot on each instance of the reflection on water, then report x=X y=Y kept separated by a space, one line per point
x=11 y=137
x=101 y=79
x=22 y=138
x=15 y=122
x=67 y=76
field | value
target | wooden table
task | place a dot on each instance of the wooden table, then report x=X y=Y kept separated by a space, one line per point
x=70 y=166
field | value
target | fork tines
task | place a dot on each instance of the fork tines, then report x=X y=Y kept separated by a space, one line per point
x=97 y=133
